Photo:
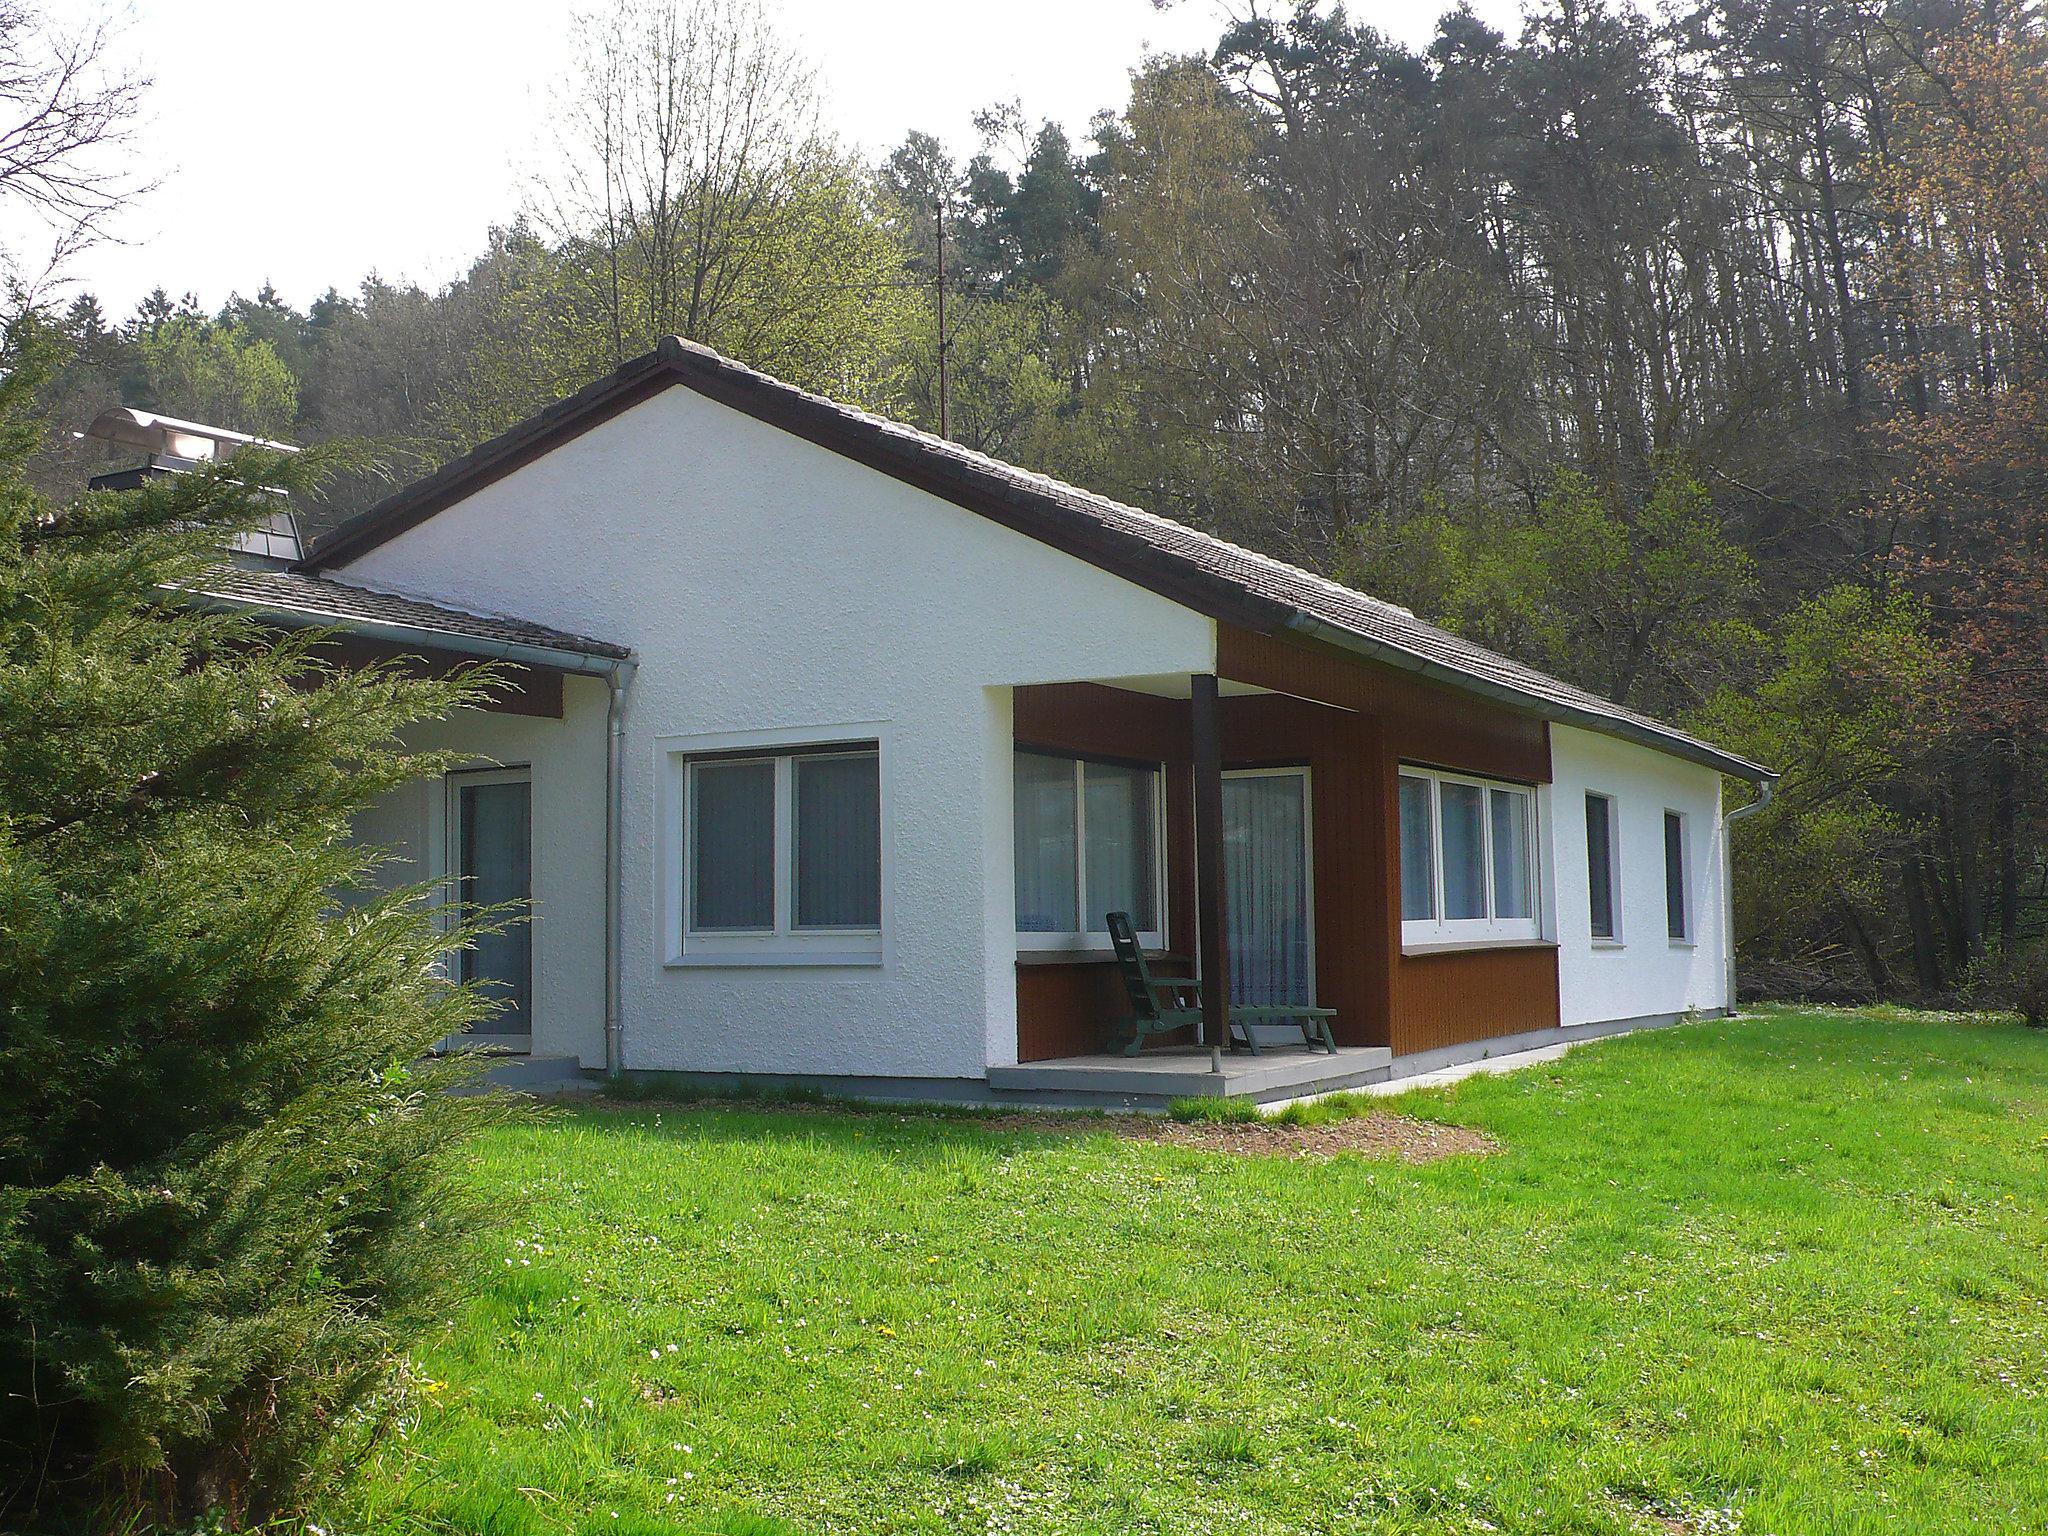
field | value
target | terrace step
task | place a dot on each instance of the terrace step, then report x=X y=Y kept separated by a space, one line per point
x=539 y=1074
x=1156 y=1077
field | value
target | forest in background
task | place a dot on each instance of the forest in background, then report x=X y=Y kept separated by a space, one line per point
x=1696 y=357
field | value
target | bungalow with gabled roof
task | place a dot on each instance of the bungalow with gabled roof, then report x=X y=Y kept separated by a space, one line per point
x=835 y=745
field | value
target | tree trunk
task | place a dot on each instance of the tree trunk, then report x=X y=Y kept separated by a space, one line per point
x=2005 y=816
x=1926 y=935
x=1866 y=947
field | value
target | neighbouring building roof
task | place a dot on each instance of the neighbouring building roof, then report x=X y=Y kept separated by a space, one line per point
x=298 y=600
x=1205 y=573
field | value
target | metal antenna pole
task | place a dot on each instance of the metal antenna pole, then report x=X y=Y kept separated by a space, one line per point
x=939 y=220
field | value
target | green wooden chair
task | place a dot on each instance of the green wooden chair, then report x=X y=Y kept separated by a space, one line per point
x=1162 y=1004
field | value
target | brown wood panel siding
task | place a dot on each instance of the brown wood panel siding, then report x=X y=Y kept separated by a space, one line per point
x=1475 y=994
x=1425 y=723
x=1070 y=1009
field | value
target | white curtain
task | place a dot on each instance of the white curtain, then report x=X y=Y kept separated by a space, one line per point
x=732 y=836
x=496 y=859
x=1265 y=818
x=1045 y=844
x=1418 y=851
x=1120 y=819
x=838 y=842
x=1511 y=849
x=1464 y=839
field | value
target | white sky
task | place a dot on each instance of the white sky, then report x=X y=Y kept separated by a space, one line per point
x=308 y=144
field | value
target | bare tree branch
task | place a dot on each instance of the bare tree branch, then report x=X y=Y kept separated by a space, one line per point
x=67 y=108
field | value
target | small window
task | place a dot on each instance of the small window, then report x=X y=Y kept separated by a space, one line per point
x=1468 y=859
x=1087 y=844
x=1601 y=874
x=782 y=852
x=1677 y=888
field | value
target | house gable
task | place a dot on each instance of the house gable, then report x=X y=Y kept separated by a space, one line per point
x=677 y=521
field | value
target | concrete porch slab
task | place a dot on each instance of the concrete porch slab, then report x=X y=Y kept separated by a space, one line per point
x=1157 y=1077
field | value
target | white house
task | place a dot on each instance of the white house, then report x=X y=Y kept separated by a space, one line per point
x=836 y=743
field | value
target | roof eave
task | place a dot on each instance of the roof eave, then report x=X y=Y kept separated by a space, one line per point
x=558 y=659
x=1673 y=743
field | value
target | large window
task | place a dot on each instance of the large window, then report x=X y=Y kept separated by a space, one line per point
x=782 y=853
x=1468 y=859
x=1603 y=868
x=1087 y=844
x=1677 y=879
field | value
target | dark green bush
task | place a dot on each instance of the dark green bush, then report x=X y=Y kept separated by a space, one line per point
x=2012 y=980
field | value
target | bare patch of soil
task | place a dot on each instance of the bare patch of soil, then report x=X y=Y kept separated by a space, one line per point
x=1371 y=1135
x=1374 y=1135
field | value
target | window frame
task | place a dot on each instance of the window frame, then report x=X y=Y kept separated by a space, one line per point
x=1085 y=939
x=1441 y=932
x=782 y=942
x=1688 y=935
x=1614 y=939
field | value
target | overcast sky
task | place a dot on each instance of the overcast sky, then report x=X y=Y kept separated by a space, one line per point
x=306 y=144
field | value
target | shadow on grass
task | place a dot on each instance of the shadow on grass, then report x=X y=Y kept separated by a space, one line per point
x=903 y=1132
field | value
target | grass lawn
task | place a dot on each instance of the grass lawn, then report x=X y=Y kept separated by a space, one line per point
x=1784 y=1274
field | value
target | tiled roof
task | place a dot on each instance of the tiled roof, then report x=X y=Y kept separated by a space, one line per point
x=1185 y=564
x=320 y=600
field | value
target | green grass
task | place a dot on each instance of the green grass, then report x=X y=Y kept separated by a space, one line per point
x=1783 y=1274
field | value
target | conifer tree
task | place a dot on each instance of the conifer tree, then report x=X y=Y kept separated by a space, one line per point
x=229 y=1189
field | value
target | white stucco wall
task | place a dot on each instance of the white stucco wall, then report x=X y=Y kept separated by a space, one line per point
x=1646 y=972
x=566 y=759
x=768 y=585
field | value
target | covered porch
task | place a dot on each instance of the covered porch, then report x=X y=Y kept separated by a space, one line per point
x=1275 y=873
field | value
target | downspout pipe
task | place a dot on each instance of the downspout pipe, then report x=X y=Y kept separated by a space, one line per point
x=620 y=681
x=1764 y=790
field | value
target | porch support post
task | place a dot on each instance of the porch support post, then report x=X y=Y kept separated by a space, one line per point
x=1210 y=895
